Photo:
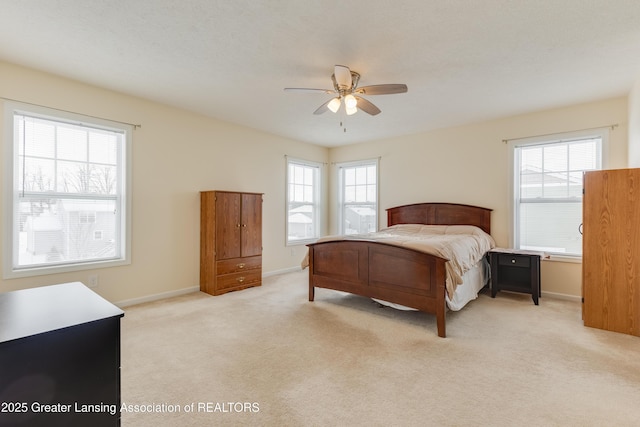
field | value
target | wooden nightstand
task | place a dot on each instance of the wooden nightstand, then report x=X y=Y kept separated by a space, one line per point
x=515 y=270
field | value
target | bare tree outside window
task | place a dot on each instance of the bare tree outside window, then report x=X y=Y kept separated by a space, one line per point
x=68 y=186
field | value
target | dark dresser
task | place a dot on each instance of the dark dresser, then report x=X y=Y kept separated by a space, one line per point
x=59 y=357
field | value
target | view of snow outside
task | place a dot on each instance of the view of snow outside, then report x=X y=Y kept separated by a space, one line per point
x=66 y=190
x=550 y=194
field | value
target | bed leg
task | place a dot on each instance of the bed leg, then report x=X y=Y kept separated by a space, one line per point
x=312 y=289
x=440 y=321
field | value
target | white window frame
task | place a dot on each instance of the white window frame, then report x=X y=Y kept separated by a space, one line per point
x=317 y=202
x=565 y=137
x=341 y=167
x=11 y=269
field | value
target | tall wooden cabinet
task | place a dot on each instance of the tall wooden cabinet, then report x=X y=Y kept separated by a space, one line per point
x=611 y=250
x=230 y=241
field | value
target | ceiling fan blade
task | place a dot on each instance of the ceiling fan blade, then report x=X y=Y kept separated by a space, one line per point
x=343 y=76
x=323 y=108
x=305 y=89
x=367 y=106
x=382 y=89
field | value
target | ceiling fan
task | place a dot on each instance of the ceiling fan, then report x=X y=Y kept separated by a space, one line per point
x=345 y=88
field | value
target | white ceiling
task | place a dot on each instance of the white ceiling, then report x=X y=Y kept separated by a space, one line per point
x=463 y=60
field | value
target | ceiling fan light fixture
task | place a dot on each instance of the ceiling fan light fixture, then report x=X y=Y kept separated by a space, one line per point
x=350 y=101
x=334 y=105
x=345 y=85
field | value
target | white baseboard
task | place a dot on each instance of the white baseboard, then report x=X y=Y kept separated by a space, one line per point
x=156 y=297
x=283 y=271
x=163 y=295
x=565 y=297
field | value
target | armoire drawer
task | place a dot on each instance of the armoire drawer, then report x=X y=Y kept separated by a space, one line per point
x=237 y=280
x=235 y=265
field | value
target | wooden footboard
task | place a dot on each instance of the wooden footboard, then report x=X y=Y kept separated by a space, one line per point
x=378 y=270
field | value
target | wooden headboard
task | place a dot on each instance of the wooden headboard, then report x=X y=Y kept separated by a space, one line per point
x=440 y=214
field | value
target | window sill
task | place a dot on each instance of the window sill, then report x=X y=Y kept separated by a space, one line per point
x=302 y=242
x=47 y=270
x=562 y=258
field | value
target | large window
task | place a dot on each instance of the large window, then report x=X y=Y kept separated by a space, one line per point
x=66 y=198
x=303 y=201
x=548 y=182
x=358 y=197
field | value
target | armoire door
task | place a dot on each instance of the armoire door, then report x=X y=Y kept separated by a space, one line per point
x=611 y=250
x=251 y=225
x=228 y=225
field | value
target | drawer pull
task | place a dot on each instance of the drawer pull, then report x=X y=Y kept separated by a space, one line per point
x=241 y=265
x=240 y=279
x=513 y=261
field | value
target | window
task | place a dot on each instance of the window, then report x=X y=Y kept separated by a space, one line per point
x=548 y=181
x=358 y=197
x=87 y=217
x=303 y=201
x=66 y=177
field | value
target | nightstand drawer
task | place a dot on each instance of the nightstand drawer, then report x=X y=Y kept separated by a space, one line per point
x=514 y=260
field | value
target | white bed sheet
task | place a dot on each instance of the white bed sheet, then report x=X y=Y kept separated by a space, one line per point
x=472 y=282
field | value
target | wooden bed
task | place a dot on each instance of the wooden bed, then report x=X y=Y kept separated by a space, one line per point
x=392 y=273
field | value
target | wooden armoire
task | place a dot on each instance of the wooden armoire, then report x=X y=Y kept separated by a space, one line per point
x=611 y=250
x=230 y=241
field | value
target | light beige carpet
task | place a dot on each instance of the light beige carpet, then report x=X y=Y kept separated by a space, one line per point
x=268 y=357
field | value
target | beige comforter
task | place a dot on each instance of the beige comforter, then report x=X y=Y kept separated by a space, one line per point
x=463 y=245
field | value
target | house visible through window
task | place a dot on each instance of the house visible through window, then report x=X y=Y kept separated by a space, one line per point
x=87 y=217
x=548 y=182
x=303 y=201
x=66 y=178
x=358 y=197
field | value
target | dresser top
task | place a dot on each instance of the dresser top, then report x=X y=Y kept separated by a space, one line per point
x=518 y=252
x=34 y=311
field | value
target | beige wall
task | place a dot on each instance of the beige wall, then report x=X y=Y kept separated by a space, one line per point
x=634 y=125
x=176 y=154
x=469 y=164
